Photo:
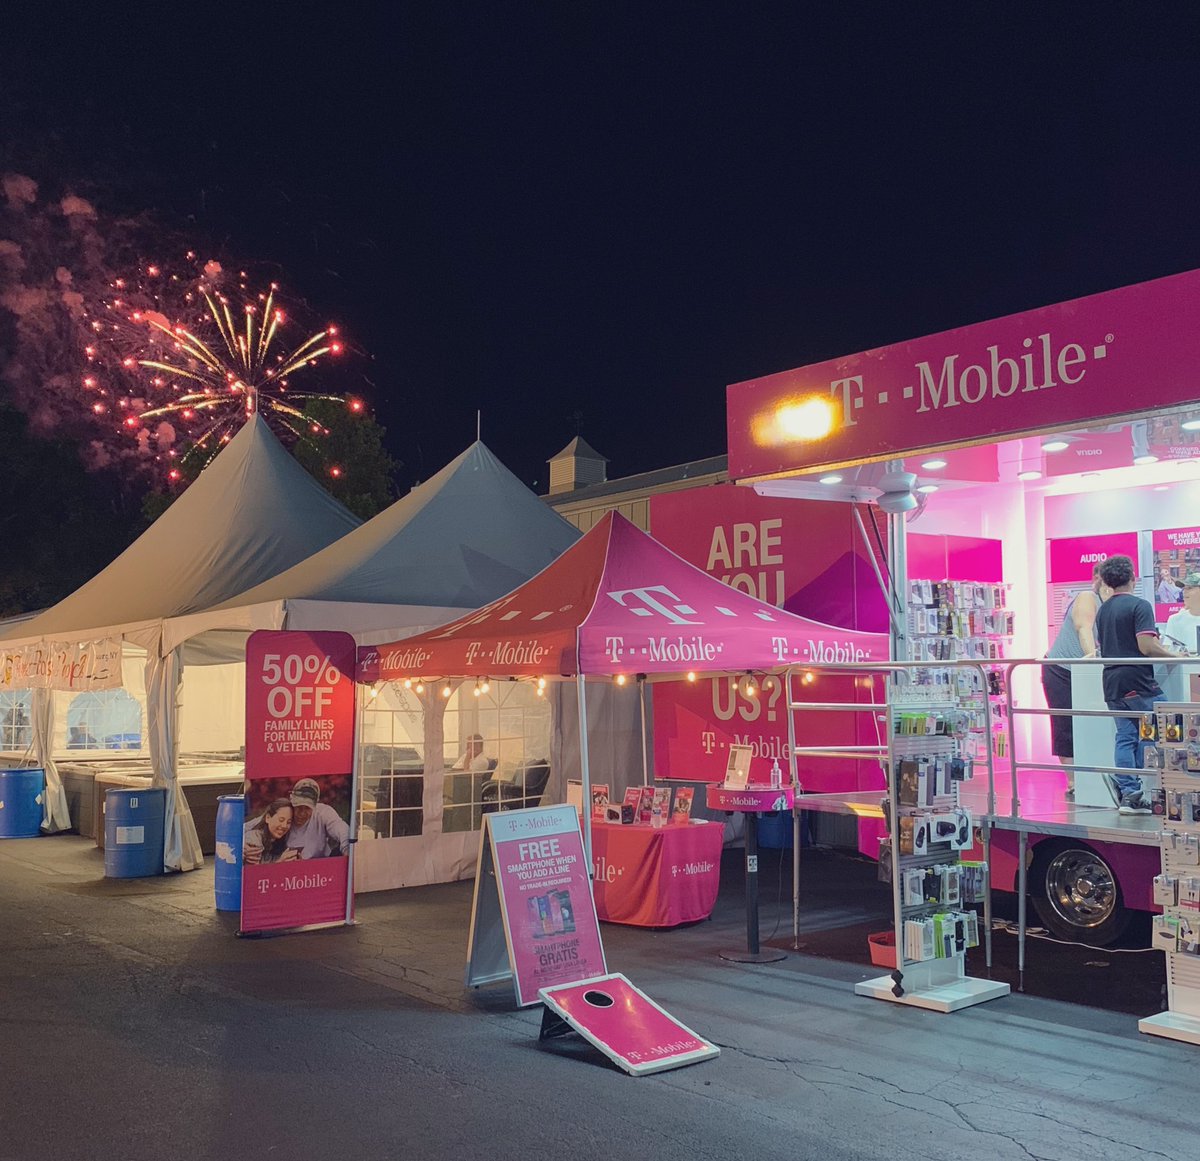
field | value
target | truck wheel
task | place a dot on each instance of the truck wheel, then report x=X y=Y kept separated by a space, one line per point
x=1076 y=893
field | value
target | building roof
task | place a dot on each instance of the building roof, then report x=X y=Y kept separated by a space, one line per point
x=660 y=477
x=579 y=448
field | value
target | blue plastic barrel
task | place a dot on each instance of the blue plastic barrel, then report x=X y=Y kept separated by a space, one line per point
x=21 y=793
x=133 y=833
x=231 y=817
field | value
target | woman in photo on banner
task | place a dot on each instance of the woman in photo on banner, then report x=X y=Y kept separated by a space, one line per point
x=265 y=839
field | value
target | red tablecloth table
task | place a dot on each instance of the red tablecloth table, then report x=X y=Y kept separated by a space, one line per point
x=656 y=876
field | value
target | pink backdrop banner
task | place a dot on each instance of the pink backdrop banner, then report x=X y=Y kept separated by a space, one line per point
x=1060 y=365
x=803 y=555
x=656 y=876
x=1176 y=553
x=546 y=896
x=1073 y=558
x=965 y=558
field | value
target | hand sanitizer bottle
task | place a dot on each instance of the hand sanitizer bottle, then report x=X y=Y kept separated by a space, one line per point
x=776 y=775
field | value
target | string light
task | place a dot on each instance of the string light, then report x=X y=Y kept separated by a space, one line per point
x=446 y=690
x=420 y=687
x=691 y=676
x=620 y=679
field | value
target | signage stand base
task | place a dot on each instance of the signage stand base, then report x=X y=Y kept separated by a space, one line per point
x=1172 y=1025
x=738 y=955
x=949 y=996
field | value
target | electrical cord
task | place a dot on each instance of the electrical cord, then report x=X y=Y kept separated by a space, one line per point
x=1009 y=928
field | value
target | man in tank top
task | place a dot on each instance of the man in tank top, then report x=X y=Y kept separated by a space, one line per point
x=1075 y=639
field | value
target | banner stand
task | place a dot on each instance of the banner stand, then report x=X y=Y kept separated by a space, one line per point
x=533 y=915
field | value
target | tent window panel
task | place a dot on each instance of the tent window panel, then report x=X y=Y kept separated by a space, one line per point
x=16 y=728
x=512 y=727
x=106 y=719
x=393 y=795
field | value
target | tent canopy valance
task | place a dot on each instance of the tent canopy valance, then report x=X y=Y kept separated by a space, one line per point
x=618 y=602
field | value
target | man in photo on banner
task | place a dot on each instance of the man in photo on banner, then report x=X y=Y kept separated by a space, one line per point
x=317 y=829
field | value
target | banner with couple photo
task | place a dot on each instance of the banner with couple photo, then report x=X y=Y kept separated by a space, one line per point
x=300 y=704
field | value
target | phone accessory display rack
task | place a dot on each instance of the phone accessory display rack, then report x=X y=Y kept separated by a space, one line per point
x=928 y=758
x=1177 y=887
x=966 y=621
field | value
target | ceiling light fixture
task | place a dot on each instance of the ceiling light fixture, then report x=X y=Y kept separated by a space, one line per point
x=933 y=465
x=1055 y=445
x=1145 y=459
x=927 y=488
x=831 y=479
x=1029 y=475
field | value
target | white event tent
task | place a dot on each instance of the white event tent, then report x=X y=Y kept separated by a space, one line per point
x=461 y=539
x=253 y=512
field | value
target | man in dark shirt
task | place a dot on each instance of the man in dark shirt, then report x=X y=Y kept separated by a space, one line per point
x=1125 y=628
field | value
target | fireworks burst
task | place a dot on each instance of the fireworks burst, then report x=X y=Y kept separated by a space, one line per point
x=180 y=362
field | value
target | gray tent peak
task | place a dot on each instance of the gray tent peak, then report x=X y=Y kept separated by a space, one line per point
x=252 y=512
x=459 y=539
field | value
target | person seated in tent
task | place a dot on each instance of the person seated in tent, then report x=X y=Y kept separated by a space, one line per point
x=317 y=829
x=265 y=838
x=78 y=738
x=473 y=758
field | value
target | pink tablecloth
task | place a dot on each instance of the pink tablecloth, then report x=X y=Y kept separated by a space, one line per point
x=647 y=877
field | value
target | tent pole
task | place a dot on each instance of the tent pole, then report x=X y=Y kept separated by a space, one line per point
x=645 y=762
x=355 y=798
x=584 y=771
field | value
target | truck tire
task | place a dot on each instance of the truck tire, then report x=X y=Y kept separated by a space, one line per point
x=1076 y=894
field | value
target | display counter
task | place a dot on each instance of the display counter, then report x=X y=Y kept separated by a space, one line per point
x=202 y=785
x=648 y=876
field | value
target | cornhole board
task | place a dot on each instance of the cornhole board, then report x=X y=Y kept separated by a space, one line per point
x=624 y=1023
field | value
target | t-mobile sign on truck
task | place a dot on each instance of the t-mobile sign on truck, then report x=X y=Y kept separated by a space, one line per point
x=299 y=766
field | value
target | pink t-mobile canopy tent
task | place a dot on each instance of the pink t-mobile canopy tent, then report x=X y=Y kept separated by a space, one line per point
x=618 y=602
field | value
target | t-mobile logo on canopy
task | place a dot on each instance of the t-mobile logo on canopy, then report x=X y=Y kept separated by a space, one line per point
x=651 y=605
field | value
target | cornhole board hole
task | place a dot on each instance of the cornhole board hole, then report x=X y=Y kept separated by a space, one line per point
x=624 y=1023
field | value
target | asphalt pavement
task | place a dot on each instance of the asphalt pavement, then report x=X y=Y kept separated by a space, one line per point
x=135 y=1024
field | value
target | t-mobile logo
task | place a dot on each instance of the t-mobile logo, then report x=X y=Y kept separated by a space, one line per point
x=651 y=604
x=614 y=647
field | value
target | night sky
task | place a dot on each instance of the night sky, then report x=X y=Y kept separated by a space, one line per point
x=594 y=217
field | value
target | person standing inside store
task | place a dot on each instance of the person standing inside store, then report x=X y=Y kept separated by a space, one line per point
x=1125 y=628
x=1075 y=639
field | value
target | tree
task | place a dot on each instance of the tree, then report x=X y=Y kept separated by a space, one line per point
x=60 y=522
x=348 y=457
